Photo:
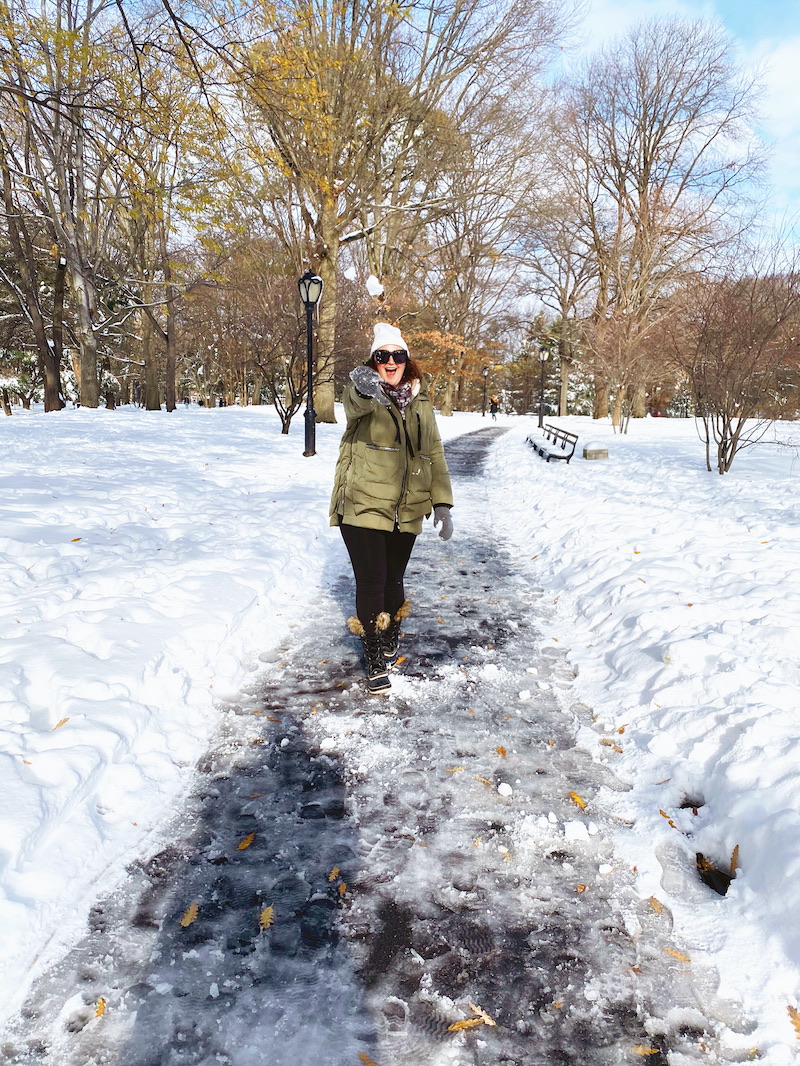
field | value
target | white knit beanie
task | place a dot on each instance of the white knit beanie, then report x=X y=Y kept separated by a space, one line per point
x=386 y=334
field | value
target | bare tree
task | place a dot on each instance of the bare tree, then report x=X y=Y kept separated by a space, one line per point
x=658 y=159
x=737 y=338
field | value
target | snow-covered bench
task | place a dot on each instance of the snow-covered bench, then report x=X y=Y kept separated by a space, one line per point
x=555 y=444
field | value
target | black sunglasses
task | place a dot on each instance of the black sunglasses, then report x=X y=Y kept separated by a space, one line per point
x=383 y=357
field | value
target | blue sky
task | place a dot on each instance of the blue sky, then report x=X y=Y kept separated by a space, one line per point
x=767 y=33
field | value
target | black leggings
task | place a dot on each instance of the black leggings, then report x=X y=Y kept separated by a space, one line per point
x=379 y=563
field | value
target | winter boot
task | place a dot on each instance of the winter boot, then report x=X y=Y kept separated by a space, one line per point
x=391 y=638
x=372 y=643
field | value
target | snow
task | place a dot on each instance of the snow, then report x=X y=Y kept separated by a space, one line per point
x=151 y=565
x=374 y=286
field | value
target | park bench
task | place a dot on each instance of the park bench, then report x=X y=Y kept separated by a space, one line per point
x=555 y=444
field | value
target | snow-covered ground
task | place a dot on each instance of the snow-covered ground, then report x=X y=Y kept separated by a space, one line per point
x=149 y=560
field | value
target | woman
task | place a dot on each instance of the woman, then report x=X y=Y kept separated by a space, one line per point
x=390 y=474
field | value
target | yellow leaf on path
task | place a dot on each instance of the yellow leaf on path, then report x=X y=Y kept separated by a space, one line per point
x=333 y=874
x=794 y=1014
x=485 y=781
x=272 y=718
x=342 y=888
x=477 y=841
x=467 y=1023
x=267 y=917
x=484 y=1017
x=58 y=725
x=366 y=1060
x=611 y=744
x=640 y=1049
x=734 y=860
x=501 y=752
x=455 y=770
x=76 y=539
x=576 y=799
x=258 y=712
x=190 y=914
x=248 y=840
x=580 y=888
x=655 y=904
x=440 y=620
x=401 y=659
x=677 y=954
x=101 y=1008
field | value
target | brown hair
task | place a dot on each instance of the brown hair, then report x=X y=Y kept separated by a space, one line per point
x=411 y=371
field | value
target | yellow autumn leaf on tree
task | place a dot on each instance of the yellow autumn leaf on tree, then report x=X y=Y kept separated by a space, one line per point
x=577 y=800
x=190 y=914
x=267 y=917
x=101 y=1008
x=248 y=840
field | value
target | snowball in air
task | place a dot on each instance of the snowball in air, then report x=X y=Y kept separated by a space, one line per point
x=374 y=287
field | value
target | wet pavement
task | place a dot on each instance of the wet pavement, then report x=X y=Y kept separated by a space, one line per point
x=416 y=879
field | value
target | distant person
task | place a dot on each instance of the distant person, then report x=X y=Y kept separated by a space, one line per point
x=390 y=474
x=494 y=406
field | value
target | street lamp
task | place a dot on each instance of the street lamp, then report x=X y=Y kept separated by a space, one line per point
x=543 y=353
x=310 y=286
x=485 y=373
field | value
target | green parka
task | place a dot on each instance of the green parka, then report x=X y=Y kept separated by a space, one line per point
x=391 y=468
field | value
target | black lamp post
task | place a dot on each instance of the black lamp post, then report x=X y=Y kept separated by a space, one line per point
x=543 y=353
x=310 y=286
x=485 y=373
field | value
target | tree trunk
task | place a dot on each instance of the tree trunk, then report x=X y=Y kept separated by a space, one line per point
x=565 y=364
x=6 y=402
x=258 y=381
x=53 y=390
x=616 y=413
x=326 y=325
x=88 y=383
x=152 y=398
x=638 y=402
x=600 y=397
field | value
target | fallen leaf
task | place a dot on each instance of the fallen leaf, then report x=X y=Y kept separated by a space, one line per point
x=367 y=1061
x=76 y=539
x=677 y=954
x=255 y=795
x=333 y=874
x=580 y=888
x=669 y=820
x=655 y=904
x=258 y=712
x=485 y=781
x=477 y=841
x=467 y=1023
x=190 y=914
x=440 y=621
x=610 y=744
x=455 y=770
x=400 y=659
x=576 y=799
x=101 y=1008
x=501 y=752
x=342 y=888
x=640 y=1049
x=272 y=718
x=267 y=917
x=58 y=725
x=734 y=860
x=248 y=840
x=794 y=1015
x=484 y=1017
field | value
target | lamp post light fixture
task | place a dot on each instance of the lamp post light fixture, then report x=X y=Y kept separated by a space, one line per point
x=485 y=373
x=543 y=354
x=310 y=286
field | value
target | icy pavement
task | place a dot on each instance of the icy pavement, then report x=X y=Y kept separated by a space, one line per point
x=418 y=879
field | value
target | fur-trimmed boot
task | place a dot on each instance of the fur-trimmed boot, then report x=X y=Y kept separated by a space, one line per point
x=372 y=643
x=391 y=638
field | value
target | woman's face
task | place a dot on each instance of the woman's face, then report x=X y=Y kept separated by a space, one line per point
x=391 y=372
